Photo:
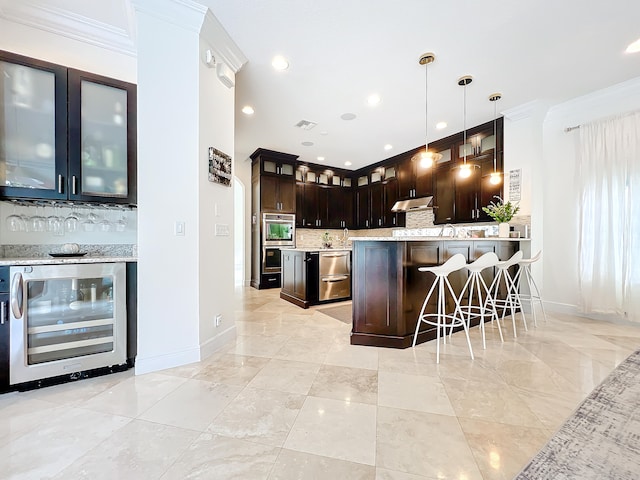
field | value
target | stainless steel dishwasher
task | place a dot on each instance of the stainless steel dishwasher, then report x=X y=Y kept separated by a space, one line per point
x=335 y=275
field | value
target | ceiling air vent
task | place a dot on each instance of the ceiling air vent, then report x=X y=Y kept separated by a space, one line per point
x=305 y=124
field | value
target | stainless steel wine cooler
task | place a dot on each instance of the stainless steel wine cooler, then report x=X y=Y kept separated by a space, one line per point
x=66 y=319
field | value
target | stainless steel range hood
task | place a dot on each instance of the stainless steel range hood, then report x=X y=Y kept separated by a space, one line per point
x=422 y=203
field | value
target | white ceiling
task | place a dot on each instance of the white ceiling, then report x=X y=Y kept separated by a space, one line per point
x=340 y=51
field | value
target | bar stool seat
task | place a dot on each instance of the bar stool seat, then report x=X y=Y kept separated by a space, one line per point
x=441 y=319
x=511 y=300
x=475 y=285
x=534 y=292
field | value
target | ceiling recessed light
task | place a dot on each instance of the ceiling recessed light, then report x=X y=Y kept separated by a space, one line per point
x=348 y=116
x=248 y=110
x=374 y=99
x=634 y=47
x=348 y=163
x=307 y=144
x=388 y=146
x=441 y=125
x=279 y=63
x=320 y=159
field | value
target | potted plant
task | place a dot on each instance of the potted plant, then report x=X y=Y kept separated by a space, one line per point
x=326 y=240
x=502 y=213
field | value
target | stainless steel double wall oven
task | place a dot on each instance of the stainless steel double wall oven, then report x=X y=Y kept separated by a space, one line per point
x=278 y=230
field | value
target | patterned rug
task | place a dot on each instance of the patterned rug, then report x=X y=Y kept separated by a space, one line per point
x=601 y=440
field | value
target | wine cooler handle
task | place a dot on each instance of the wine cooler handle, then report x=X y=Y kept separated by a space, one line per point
x=16 y=295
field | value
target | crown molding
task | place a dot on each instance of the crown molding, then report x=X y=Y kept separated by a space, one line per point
x=72 y=25
x=222 y=45
x=185 y=14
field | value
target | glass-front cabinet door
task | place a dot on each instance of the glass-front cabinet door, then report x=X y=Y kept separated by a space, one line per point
x=33 y=126
x=102 y=132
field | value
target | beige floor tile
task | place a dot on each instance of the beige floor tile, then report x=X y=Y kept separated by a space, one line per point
x=232 y=369
x=138 y=450
x=501 y=450
x=336 y=429
x=348 y=384
x=423 y=444
x=134 y=395
x=304 y=350
x=262 y=416
x=259 y=346
x=78 y=392
x=535 y=375
x=286 y=376
x=384 y=474
x=58 y=441
x=413 y=392
x=495 y=402
x=215 y=457
x=19 y=414
x=193 y=405
x=292 y=465
x=345 y=355
x=552 y=408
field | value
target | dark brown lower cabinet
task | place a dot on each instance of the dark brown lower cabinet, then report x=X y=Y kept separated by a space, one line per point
x=299 y=277
x=388 y=289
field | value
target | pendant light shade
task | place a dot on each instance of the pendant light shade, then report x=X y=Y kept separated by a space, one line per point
x=427 y=158
x=496 y=176
x=465 y=168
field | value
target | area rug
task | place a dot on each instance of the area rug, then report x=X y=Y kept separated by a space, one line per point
x=601 y=440
x=341 y=312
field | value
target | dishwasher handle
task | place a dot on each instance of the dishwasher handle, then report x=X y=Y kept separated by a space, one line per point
x=335 y=278
x=337 y=254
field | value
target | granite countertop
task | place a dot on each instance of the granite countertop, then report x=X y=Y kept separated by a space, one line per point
x=65 y=260
x=410 y=238
x=311 y=249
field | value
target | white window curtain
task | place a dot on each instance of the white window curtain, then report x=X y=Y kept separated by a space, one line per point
x=609 y=216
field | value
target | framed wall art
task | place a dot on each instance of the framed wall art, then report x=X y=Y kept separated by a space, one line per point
x=219 y=167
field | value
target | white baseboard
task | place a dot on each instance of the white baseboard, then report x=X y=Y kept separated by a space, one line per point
x=214 y=344
x=169 y=360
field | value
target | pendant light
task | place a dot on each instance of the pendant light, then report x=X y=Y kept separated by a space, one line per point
x=465 y=168
x=427 y=158
x=495 y=178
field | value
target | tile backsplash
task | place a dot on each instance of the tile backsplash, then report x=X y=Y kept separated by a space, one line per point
x=33 y=251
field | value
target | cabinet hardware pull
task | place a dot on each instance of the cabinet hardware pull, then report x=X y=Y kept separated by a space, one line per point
x=3 y=312
x=60 y=184
x=73 y=185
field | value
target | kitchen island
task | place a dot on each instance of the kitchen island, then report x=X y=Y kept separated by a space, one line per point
x=388 y=289
x=311 y=276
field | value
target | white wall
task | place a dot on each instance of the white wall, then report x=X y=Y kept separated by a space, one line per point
x=216 y=207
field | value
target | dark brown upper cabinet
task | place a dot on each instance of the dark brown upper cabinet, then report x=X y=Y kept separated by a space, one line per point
x=67 y=134
x=274 y=173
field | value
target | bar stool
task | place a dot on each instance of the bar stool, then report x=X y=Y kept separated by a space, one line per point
x=475 y=284
x=534 y=292
x=512 y=297
x=442 y=272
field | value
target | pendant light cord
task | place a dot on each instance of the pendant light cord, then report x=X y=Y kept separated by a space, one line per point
x=495 y=136
x=464 y=123
x=426 y=108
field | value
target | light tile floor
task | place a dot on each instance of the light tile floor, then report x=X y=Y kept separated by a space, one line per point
x=290 y=398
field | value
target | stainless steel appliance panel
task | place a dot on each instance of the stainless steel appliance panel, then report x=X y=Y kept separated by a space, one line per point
x=66 y=319
x=335 y=263
x=334 y=275
x=278 y=229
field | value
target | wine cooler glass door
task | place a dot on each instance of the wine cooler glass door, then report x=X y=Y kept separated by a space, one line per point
x=69 y=318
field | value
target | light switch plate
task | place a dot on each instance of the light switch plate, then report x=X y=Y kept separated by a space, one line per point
x=222 y=230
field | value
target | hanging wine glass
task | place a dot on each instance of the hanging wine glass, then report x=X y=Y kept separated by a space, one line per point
x=38 y=222
x=71 y=221
x=15 y=222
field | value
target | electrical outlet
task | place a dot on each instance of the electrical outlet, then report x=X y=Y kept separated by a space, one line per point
x=218 y=319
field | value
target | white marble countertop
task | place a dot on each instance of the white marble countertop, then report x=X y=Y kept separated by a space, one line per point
x=63 y=260
x=410 y=238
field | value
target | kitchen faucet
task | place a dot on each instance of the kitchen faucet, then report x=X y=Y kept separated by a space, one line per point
x=453 y=229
